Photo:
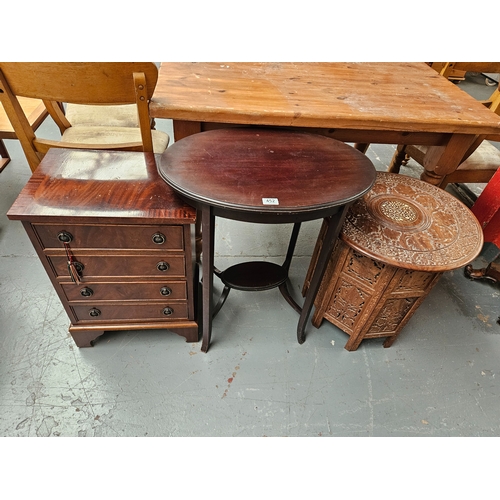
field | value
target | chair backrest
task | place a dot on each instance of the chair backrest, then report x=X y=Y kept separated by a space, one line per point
x=477 y=67
x=78 y=83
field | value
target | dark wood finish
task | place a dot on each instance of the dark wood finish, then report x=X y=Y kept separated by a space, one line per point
x=392 y=103
x=395 y=243
x=305 y=172
x=265 y=176
x=101 y=182
x=104 y=265
x=123 y=220
x=90 y=236
x=117 y=290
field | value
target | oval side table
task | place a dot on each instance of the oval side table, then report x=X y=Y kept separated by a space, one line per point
x=264 y=176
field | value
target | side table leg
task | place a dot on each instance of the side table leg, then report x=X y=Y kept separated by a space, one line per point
x=332 y=232
x=207 y=259
x=198 y=237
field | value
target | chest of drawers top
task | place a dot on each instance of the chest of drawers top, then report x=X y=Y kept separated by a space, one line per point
x=99 y=187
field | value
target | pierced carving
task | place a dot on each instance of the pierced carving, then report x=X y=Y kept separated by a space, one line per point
x=365 y=269
x=391 y=315
x=347 y=306
x=413 y=281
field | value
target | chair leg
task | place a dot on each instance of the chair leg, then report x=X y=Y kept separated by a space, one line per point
x=4 y=155
x=397 y=159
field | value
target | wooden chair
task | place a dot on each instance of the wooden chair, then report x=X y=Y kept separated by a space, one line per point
x=451 y=71
x=94 y=84
x=35 y=112
x=448 y=69
x=482 y=164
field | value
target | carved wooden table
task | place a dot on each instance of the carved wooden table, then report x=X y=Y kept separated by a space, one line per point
x=115 y=241
x=395 y=244
x=265 y=176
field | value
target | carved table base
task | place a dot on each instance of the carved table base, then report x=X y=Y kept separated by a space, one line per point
x=395 y=243
x=369 y=299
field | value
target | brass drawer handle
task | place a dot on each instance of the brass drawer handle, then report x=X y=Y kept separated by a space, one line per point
x=159 y=238
x=79 y=266
x=163 y=266
x=168 y=311
x=65 y=237
x=86 y=292
x=94 y=312
x=165 y=291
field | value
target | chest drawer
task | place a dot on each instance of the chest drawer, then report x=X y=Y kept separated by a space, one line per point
x=109 y=236
x=128 y=235
x=98 y=266
x=156 y=290
x=153 y=311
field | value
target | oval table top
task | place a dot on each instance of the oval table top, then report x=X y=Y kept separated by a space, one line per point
x=408 y=223
x=257 y=174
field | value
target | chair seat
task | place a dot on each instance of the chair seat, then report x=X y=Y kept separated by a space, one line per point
x=114 y=135
x=485 y=157
x=106 y=116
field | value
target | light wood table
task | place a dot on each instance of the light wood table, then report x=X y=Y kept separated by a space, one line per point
x=363 y=103
x=389 y=103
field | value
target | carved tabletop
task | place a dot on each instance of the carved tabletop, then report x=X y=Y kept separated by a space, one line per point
x=411 y=224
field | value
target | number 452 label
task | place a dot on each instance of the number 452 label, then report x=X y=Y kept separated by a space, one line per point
x=270 y=201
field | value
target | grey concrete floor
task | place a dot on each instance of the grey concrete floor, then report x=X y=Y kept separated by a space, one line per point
x=441 y=377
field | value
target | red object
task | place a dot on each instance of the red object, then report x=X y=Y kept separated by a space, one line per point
x=487 y=210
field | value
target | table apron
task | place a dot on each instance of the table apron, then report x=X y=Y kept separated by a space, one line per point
x=269 y=217
x=184 y=128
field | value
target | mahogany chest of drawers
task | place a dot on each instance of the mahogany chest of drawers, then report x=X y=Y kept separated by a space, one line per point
x=115 y=241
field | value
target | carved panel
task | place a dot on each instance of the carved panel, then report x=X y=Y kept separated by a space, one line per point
x=364 y=269
x=412 y=224
x=346 y=307
x=390 y=316
x=410 y=281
